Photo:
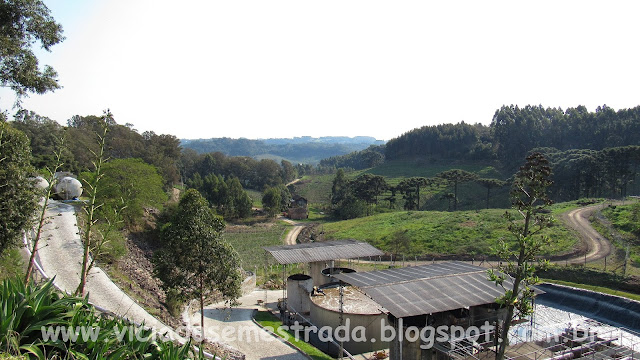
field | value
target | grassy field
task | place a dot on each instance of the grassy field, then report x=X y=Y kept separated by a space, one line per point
x=249 y=240
x=435 y=232
x=621 y=225
x=410 y=168
x=256 y=197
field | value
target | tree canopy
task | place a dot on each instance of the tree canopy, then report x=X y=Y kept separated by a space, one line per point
x=132 y=183
x=18 y=200
x=194 y=259
x=23 y=23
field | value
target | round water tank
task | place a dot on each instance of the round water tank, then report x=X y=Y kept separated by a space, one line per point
x=299 y=287
x=68 y=188
x=329 y=272
x=41 y=183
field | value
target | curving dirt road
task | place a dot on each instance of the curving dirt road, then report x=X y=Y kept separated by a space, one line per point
x=597 y=246
x=292 y=235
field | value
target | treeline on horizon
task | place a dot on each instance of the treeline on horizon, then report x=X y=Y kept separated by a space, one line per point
x=592 y=153
x=298 y=150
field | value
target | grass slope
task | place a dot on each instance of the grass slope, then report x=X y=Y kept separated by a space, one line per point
x=625 y=219
x=436 y=232
x=317 y=188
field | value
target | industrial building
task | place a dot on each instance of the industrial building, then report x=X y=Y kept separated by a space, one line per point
x=436 y=294
x=418 y=297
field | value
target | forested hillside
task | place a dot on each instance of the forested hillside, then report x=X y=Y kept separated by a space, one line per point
x=591 y=153
x=298 y=150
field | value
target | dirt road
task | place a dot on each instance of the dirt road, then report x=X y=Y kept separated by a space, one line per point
x=597 y=246
x=292 y=235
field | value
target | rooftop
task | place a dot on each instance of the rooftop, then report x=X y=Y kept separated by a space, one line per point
x=427 y=289
x=322 y=251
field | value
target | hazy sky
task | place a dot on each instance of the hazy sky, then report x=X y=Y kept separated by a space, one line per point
x=258 y=69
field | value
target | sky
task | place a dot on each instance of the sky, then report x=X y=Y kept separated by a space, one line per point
x=265 y=69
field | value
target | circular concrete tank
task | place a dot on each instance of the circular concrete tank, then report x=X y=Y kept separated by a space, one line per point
x=359 y=312
x=299 y=287
x=328 y=273
x=68 y=188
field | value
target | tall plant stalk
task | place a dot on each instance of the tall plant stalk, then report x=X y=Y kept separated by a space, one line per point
x=43 y=218
x=91 y=207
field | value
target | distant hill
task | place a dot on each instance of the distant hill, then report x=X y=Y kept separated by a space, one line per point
x=305 y=149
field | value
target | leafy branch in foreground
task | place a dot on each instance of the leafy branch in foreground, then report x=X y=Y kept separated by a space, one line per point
x=529 y=199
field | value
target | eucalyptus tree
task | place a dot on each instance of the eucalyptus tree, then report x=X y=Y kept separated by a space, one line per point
x=25 y=23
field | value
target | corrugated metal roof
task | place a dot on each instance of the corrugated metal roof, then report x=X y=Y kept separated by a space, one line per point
x=427 y=289
x=322 y=251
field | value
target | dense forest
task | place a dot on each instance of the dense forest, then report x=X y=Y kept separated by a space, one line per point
x=592 y=153
x=514 y=131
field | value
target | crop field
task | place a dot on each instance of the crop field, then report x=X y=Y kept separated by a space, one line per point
x=249 y=240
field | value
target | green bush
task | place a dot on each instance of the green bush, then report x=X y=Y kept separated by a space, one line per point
x=25 y=310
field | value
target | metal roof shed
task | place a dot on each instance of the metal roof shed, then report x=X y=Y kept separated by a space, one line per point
x=322 y=251
x=427 y=289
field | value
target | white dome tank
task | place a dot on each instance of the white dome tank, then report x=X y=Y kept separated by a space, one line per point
x=68 y=188
x=40 y=183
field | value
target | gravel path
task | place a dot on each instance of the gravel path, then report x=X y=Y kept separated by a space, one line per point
x=292 y=236
x=60 y=255
x=236 y=328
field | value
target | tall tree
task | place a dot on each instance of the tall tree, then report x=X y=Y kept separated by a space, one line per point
x=132 y=183
x=411 y=189
x=25 y=22
x=272 y=201
x=194 y=259
x=338 y=187
x=455 y=177
x=490 y=184
x=529 y=199
x=368 y=187
x=18 y=199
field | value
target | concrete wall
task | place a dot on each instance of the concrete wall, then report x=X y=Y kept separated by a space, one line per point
x=315 y=269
